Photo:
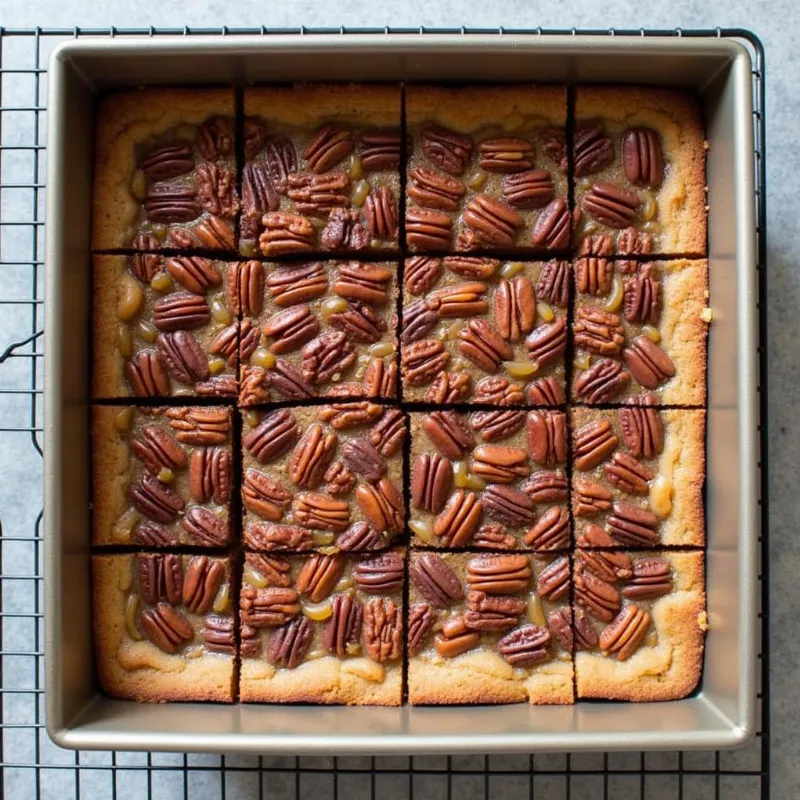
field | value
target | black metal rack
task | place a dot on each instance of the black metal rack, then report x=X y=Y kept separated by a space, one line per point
x=33 y=766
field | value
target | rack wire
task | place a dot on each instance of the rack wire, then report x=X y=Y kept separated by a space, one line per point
x=34 y=767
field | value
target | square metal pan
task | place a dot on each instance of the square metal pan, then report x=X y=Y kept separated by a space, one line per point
x=723 y=713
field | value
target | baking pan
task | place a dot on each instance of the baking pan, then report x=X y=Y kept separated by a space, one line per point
x=722 y=713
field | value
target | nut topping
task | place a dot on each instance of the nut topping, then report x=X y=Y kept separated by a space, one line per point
x=380 y=378
x=628 y=474
x=328 y=147
x=552 y=227
x=246 y=288
x=505 y=155
x=492 y=613
x=330 y=354
x=145 y=266
x=595 y=536
x=280 y=158
x=532 y=189
x=609 y=565
x=497 y=390
x=642 y=429
x=311 y=457
x=592 y=149
x=344 y=626
x=342 y=416
x=361 y=537
x=368 y=283
x=602 y=382
x=593 y=443
x=447 y=150
x=155 y=500
x=633 y=526
x=554 y=580
x=461 y=516
x=494 y=425
x=160 y=578
x=290 y=329
x=216 y=189
x=427 y=229
x=435 y=580
x=598 y=331
x=205 y=527
x=482 y=344
x=270 y=607
x=461 y=300
x=219 y=635
x=472 y=267
x=419 y=319
x=626 y=632
x=599 y=598
x=167 y=204
x=381 y=504
x=546 y=487
x=448 y=387
x=345 y=231
x=200 y=426
x=551 y=531
x=559 y=622
x=388 y=434
x=273 y=436
x=383 y=573
x=611 y=205
x=525 y=646
x=545 y=392
x=318 y=195
x=259 y=196
x=380 y=150
x=500 y=574
x=499 y=464
x=553 y=285
x=648 y=363
x=320 y=512
x=421 y=619
x=180 y=310
x=195 y=273
x=277 y=571
x=594 y=275
x=642 y=303
x=514 y=308
x=288 y=381
x=421 y=274
x=431 y=189
x=285 y=234
x=547 y=437
x=455 y=638
x=363 y=459
x=493 y=222
x=381 y=213
x=210 y=475
x=589 y=498
x=652 y=577
x=204 y=576
x=184 y=356
x=168 y=161
x=431 y=482
x=494 y=537
x=642 y=159
x=278 y=538
x=166 y=627
x=318 y=575
x=288 y=644
x=547 y=343
x=448 y=433
x=157 y=450
x=383 y=630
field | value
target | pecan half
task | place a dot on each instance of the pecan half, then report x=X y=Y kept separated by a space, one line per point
x=367 y=283
x=383 y=573
x=151 y=534
x=450 y=151
x=494 y=222
x=633 y=242
x=345 y=230
x=651 y=577
x=595 y=536
x=167 y=161
x=328 y=147
x=381 y=214
x=250 y=642
x=483 y=345
x=500 y=574
x=166 y=627
x=455 y=638
x=431 y=189
x=552 y=227
x=389 y=433
x=551 y=531
x=155 y=500
x=625 y=633
x=449 y=433
x=628 y=474
x=493 y=537
x=508 y=505
x=280 y=158
x=642 y=159
x=559 y=622
x=361 y=537
x=435 y=580
x=318 y=576
x=212 y=232
x=285 y=234
x=218 y=386
x=419 y=319
x=547 y=343
x=421 y=274
x=380 y=150
x=216 y=189
x=318 y=195
x=156 y=449
x=210 y=475
x=290 y=328
x=195 y=273
x=648 y=363
x=498 y=390
x=553 y=284
x=423 y=360
x=381 y=504
x=204 y=576
x=276 y=571
x=160 y=578
x=219 y=634
x=506 y=154
x=611 y=205
x=200 y=426
x=633 y=525
x=206 y=528
x=594 y=275
x=494 y=425
x=593 y=443
x=360 y=322
x=344 y=626
x=421 y=618
x=525 y=646
x=168 y=204
x=246 y=288
x=592 y=149
x=278 y=538
x=492 y=613
x=145 y=266
x=215 y=137
x=448 y=387
x=547 y=437
x=472 y=267
x=380 y=377
x=598 y=597
x=545 y=392
x=642 y=429
x=554 y=580
x=584 y=631
x=311 y=457
x=499 y=464
x=364 y=459
x=598 y=331
x=338 y=479
x=459 y=520
x=642 y=303
x=289 y=643
x=383 y=629
x=602 y=382
x=320 y=512
x=589 y=498
x=598 y=244
x=270 y=607
x=427 y=229
x=183 y=355
x=342 y=416
x=461 y=300
x=273 y=436
x=254 y=134
x=554 y=146
x=514 y=308
x=330 y=354
x=290 y=286
x=609 y=565
x=546 y=487
x=531 y=189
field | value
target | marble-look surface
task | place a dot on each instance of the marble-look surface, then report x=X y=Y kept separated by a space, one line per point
x=771 y=20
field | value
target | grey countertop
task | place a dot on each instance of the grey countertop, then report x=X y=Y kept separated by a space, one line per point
x=19 y=497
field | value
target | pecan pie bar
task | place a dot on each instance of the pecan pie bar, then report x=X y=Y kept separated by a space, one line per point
x=639 y=170
x=164 y=627
x=640 y=326
x=640 y=623
x=167 y=326
x=638 y=475
x=321 y=169
x=322 y=628
x=324 y=476
x=490 y=479
x=165 y=172
x=323 y=329
x=489 y=629
x=486 y=169
x=477 y=329
x=161 y=476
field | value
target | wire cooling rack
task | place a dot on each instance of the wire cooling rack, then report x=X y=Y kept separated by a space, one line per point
x=34 y=767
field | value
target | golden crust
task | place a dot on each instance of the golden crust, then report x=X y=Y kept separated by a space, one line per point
x=123 y=120
x=676 y=116
x=326 y=680
x=483 y=677
x=684 y=332
x=209 y=677
x=672 y=668
x=308 y=105
x=112 y=470
x=465 y=110
x=107 y=379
